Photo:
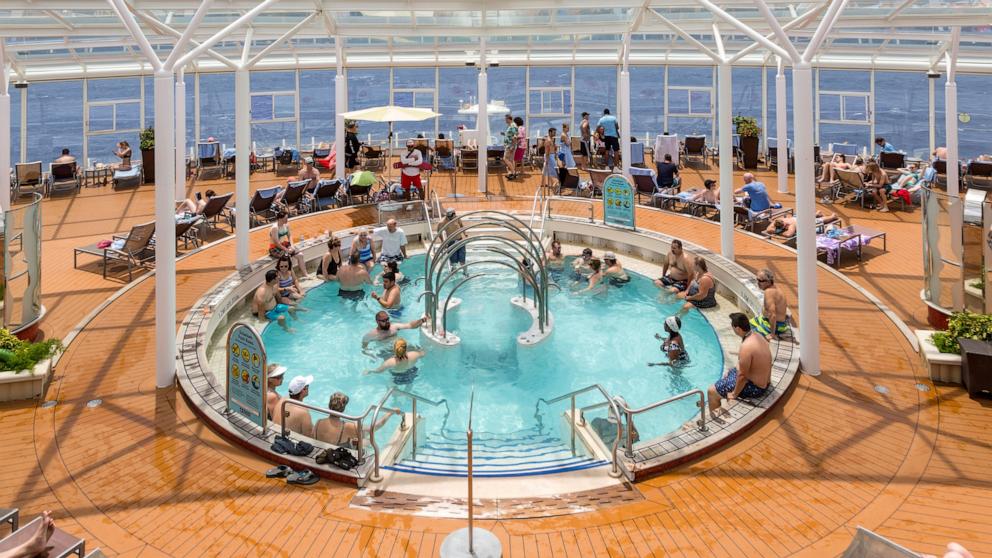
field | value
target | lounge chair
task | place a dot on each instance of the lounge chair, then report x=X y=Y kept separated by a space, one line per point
x=469 y=159
x=372 y=158
x=208 y=160
x=771 y=152
x=293 y=199
x=286 y=161
x=322 y=157
x=262 y=207
x=424 y=146
x=10 y=516
x=852 y=182
x=28 y=179
x=694 y=147
x=572 y=182
x=63 y=177
x=325 y=194
x=215 y=209
x=755 y=221
x=891 y=161
x=979 y=174
x=846 y=149
x=444 y=154
x=61 y=543
x=637 y=154
x=136 y=250
x=597 y=177
x=644 y=183
x=867 y=544
x=359 y=191
x=129 y=178
x=186 y=232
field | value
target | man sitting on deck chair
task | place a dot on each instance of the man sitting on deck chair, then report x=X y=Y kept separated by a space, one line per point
x=757 y=193
x=65 y=158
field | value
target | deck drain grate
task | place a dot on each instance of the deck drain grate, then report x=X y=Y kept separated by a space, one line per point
x=923 y=387
x=49 y=404
x=882 y=389
x=94 y=403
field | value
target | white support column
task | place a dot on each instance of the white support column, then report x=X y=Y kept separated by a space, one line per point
x=782 y=129
x=165 y=230
x=951 y=129
x=340 y=107
x=5 y=139
x=725 y=115
x=180 y=135
x=623 y=103
x=809 y=327
x=242 y=145
x=483 y=132
x=954 y=167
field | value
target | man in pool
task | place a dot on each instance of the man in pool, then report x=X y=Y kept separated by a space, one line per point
x=754 y=368
x=274 y=379
x=677 y=271
x=390 y=297
x=384 y=329
x=614 y=269
x=773 y=309
x=581 y=265
x=298 y=418
x=352 y=276
x=267 y=301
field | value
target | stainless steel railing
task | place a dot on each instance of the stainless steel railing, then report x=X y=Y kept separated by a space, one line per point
x=629 y=413
x=414 y=398
x=615 y=470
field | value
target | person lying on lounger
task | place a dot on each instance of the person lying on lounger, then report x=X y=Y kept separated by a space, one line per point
x=786 y=225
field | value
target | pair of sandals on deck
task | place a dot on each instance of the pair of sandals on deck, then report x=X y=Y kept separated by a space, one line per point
x=302 y=477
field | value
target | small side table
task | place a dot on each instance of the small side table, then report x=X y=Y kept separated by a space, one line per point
x=96 y=176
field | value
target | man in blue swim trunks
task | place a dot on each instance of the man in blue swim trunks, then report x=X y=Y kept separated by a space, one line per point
x=753 y=374
x=773 y=310
x=267 y=301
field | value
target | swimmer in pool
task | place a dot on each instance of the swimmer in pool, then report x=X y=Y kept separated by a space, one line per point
x=390 y=297
x=353 y=276
x=267 y=301
x=581 y=265
x=401 y=361
x=555 y=260
x=394 y=267
x=614 y=269
x=673 y=346
x=384 y=329
x=596 y=284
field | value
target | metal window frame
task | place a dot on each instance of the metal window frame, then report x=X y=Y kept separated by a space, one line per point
x=869 y=113
x=560 y=89
x=690 y=89
x=274 y=94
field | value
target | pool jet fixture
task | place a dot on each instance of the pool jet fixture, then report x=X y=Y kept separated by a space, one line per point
x=525 y=245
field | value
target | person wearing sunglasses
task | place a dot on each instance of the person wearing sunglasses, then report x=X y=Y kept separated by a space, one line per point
x=385 y=329
x=773 y=310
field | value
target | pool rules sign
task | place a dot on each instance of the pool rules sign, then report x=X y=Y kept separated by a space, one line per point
x=618 y=201
x=246 y=374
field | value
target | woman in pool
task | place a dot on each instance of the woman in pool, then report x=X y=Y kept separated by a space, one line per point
x=362 y=245
x=281 y=243
x=614 y=270
x=333 y=430
x=331 y=261
x=403 y=364
x=702 y=290
x=289 y=285
x=673 y=346
x=393 y=267
x=596 y=284
x=555 y=260
x=581 y=265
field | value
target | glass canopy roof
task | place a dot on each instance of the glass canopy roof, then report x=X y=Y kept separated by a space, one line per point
x=59 y=39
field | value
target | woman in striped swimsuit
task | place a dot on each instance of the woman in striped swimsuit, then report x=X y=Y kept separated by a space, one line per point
x=366 y=252
x=289 y=286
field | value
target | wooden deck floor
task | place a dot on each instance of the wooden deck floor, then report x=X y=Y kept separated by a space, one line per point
x=140 y=476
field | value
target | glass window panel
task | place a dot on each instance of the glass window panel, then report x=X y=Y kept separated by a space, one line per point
x=508 y=84
x=902 y=111
x=128 y=116
x=273 y=81
x=217 y=107
x=940 y=131
x=285 y=106
x=647 y=100
x=687 y=126
x=457 y=88
x=595 y=89
x=855 y=108
x=15 y=125
x=317 y=118
x=830 y=107
x=678 y=101
x=272 y=134
x=974 y=135
x=845 y=80
x=424 y=99
x=845 y=133
x=403 y=98
x=190 y=81
x=113 y=89
x=699 y=102
x=261 y=107
x=369 y=88
x=535 y=101
x=150 y=100
x=552 y=102
x=413 y=78
x=101 y=118
x=547 y=76
x=689 y=75
x=101 y=148
x=55 y=119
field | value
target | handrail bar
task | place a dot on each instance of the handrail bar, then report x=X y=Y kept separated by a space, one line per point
x=629 y=413
x=353 y=418
x=427 y=216
x=591 y=203
x=375 y=476
x=615 y=471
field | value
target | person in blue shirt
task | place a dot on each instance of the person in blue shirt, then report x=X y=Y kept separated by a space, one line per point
x=884 y=146
x=611 y=135
x=756 y=192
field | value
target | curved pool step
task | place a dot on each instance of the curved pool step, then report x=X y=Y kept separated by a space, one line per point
x=517 y=454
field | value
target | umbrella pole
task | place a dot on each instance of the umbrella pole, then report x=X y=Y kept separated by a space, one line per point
x=389 y=156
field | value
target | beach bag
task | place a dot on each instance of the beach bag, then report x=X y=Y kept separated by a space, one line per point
x=338 y=457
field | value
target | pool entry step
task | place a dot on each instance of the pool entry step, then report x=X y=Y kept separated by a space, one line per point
x=523 y=453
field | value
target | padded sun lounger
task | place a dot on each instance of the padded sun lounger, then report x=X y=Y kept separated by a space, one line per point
x=63 y=177
x=325 y=195
x=262 y=206
x=130 y=178
x=136 y=250
x=216 y=209
x=62 y=544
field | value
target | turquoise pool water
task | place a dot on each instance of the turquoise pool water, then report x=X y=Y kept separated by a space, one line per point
x=605 y=339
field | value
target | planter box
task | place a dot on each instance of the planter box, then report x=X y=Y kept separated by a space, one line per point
x=749 y=148
x=26 y=384
x=941 y=367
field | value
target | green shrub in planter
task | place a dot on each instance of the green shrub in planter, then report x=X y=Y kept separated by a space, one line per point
x=18 y=355
x=963 y=324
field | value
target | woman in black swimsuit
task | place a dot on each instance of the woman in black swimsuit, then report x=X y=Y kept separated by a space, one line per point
x=332 y=260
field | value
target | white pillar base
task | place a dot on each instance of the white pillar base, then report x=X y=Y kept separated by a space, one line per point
x=485 y=544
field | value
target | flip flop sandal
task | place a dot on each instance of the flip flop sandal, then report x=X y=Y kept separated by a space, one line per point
x=303 y=477
x=278 y=472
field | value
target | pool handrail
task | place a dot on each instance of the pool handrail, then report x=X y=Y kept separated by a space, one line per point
x=590 y=202
x=537 y=203
x=629 y=413
x=357 y=419
x=375 y=476
x=615 y=470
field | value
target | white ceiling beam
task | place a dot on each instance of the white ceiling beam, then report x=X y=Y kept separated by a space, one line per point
x=795 y=26
x=127 y=18
x=281 y=40
x=58 y=17
x=246 y=47
x=717 y=11
x=783 y=39
x=237 y=24
x=826 y=24
x=898 y=9
x=163 y=28
x=187 y=35
x=686 y=36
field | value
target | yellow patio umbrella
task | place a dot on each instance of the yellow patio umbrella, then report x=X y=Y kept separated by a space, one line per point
x=390 y=114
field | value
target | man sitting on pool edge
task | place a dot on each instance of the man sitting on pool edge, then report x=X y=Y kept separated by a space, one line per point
x=753 y=374
x=267 y=302
x=676 y=273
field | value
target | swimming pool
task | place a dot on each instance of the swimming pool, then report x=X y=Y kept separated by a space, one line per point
x=605 y=339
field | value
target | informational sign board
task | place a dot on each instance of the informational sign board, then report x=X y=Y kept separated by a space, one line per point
x=246 y=374
x=618 y=201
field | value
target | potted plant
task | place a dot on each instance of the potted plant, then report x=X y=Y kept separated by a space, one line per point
x=748 y=130
x=970 y=335
x=24 y=366
x=147 y=138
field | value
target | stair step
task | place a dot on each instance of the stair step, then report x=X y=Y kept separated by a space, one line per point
x=512 y=461
x=522 y=472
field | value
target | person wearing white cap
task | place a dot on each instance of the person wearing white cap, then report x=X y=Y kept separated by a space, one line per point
x=309 y=173
x=298 y=418
x=614 y=269
x=673 y=346
x=274 y=379
x=411 y=161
